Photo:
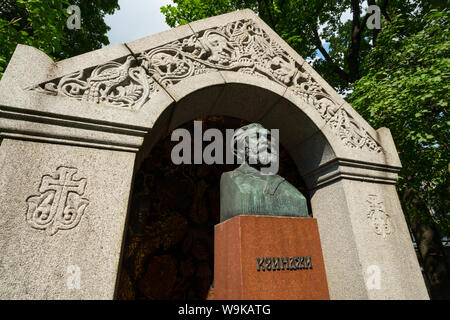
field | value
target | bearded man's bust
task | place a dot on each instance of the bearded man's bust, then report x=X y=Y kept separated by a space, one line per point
x=246 y=191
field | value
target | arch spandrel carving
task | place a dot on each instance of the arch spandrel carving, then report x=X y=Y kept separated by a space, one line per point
x=237 y=42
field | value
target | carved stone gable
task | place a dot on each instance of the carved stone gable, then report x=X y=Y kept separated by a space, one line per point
x=239 y=46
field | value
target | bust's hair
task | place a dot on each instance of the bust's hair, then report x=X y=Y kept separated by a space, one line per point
x=240 y=137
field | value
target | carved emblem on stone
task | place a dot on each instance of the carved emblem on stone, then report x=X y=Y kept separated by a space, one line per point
x=239 y=46
x=60 y=205
x=379 y=219
x=113 y=83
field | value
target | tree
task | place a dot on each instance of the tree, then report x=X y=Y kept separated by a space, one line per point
x=405 y=87
x=42 y=24
x=342 y=44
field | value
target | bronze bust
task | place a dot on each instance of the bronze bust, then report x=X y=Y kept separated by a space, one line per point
x=246 y=191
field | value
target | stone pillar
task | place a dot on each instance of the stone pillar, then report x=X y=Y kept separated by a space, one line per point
x=367 y=247
x=62 y=216
x=66 y=174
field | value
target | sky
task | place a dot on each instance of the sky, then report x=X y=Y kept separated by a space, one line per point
x=136 y=19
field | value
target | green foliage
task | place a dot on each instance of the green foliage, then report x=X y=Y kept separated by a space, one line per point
x=92 y=34
x=405 y=87
x=42 y=24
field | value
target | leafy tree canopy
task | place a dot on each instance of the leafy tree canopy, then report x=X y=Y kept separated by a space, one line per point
x=42 y=24
x=405 y=87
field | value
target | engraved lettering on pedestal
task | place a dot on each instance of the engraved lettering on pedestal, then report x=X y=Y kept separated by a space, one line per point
x=283 y=263
x=379 y=219
x=60 y=205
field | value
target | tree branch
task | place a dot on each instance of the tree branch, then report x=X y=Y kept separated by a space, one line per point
x=383 y=9
x=318 y=44
x=269 y=12
x=11 y=22
x=353 y=51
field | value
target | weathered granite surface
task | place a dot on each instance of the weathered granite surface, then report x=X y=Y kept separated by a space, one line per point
x=36 y=257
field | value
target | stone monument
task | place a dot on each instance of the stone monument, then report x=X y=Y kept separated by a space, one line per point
x=73 y=140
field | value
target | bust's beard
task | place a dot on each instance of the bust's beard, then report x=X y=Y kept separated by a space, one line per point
x=264 y=158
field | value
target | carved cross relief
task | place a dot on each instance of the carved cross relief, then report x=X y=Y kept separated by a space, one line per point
x=60 y=205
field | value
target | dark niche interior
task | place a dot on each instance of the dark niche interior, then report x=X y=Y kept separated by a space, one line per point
x=169 y=246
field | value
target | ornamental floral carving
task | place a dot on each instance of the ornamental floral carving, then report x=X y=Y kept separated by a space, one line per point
x=113 y=83
x=239 y=46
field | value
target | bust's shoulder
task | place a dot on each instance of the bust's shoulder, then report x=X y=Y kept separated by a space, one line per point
x=227 y=178
x=288 y=190
x=226 y=175
x=243 y=182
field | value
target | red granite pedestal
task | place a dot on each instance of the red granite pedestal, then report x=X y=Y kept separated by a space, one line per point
x=268 y=258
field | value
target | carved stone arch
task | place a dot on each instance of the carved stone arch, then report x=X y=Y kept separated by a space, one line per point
x=102 y=111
